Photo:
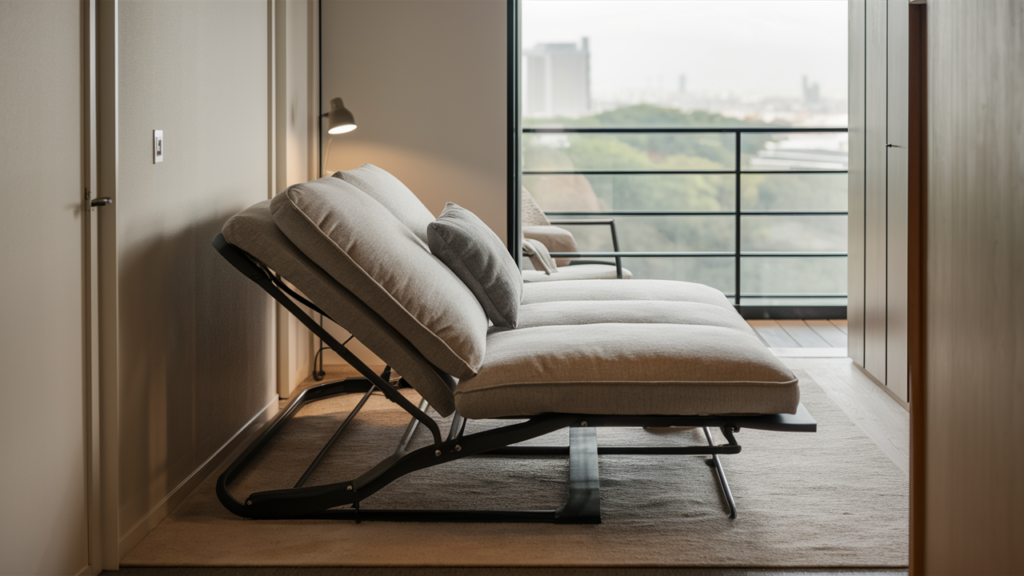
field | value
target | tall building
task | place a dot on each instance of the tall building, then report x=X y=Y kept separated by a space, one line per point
x=812 y=92
x=556 y=80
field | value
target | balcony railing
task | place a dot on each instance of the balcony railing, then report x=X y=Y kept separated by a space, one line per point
x=783 y=166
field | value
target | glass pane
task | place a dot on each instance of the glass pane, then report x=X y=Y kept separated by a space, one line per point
x=796 y=151
x=793 y=233
x=679 y=192
x=775 y=276
x=794 y=192
x=657 y=234
x=716 y=272
x=684 y=62
x=573 y=152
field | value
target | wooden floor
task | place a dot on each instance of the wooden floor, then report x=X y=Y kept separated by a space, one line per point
x=881 y=417
x=803 y=338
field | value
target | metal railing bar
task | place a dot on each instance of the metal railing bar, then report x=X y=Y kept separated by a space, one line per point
x=624 y=172
x=796 y=172
x=794 y=255
x=673 y=172
x=698 y=254
x=750 y=130
x=792 y=296
x=698 y=213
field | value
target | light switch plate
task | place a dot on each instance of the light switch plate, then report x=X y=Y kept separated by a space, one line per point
x=158 y=146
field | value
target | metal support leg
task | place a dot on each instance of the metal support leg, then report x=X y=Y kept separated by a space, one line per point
x=584 y=503
x=717 y=464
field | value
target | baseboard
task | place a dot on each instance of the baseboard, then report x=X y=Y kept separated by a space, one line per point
x=182 y=490
x=88 y=570
x=900 y=401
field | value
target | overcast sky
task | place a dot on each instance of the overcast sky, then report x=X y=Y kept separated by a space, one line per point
x=751 y=46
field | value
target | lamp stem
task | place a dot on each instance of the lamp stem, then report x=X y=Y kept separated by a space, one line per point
x=327 y=153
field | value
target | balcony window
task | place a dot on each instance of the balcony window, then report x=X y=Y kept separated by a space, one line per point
x=713 y=132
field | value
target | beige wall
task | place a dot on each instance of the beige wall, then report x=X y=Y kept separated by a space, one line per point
x=426 y=81
x=43 y=514
x=974 y=310
x=195 y=338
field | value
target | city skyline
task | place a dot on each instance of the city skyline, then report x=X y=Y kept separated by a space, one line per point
x=740 y=50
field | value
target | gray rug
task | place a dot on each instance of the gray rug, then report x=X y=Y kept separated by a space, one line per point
x=830 y=499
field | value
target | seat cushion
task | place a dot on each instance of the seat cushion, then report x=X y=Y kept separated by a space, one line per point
x=668 y=290
x=576 y=272
x=376 y=257
x=392 y=194
x=627 y=369
x=643 y=347
x=582 y=312
x=253 y=230
x=478 y=257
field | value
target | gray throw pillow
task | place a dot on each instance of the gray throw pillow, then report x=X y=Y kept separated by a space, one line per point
x=478 y=257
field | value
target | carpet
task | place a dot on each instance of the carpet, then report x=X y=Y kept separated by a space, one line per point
x=829 y=499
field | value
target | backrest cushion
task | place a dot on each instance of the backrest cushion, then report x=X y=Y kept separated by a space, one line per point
x=530 y=212
x=376 y=257
x=392 y=194
x=253 y=230
x=479 y=258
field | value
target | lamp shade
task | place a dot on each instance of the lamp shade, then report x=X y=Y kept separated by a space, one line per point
x=339 y=119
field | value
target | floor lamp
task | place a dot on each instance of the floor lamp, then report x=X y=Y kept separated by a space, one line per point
x=339 y=121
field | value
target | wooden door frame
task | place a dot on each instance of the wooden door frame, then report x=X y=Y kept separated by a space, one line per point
x=917 y=189
x=104 y=153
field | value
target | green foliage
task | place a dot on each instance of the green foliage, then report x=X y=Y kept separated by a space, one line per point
x=696 y=193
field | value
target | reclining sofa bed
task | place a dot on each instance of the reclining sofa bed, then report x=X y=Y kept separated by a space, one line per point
x=576 y=355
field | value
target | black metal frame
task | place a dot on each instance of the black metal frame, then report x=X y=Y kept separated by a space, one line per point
x=610 y=222
x=736 y=213
x=583 y=504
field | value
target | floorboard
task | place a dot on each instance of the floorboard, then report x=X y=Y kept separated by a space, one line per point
x=773 y=334
x=841 y=324
x=805 y=336
x=828 y=332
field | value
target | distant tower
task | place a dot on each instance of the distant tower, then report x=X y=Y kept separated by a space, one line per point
x=812 y=92
x=556 y=79
x=682 y=83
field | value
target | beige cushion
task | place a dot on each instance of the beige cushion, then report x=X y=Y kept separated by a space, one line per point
x=376 y=257
x=530 y=212
x=392 y=194
x=584 y=312
x=643 y=347
x=668 y=290
x=577 y=272
x=253 y=230
x=556 y=239
x=627 y=369
x=478 y=257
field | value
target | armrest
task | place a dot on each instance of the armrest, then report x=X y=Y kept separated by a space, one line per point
x=610 y=222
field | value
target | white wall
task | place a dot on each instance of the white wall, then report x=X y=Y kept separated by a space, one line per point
x=195 y=338
x=43 y=510
x=426 y=81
